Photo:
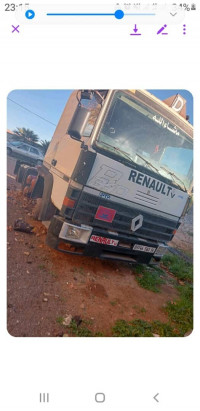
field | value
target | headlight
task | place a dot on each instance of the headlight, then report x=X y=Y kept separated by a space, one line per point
x=75 y=233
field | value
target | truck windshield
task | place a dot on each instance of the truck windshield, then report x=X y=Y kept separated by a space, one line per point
x=133 y=130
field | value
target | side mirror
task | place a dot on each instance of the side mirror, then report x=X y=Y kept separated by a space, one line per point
x=78 y=123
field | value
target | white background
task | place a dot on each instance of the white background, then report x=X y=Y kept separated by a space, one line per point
x=129 y=371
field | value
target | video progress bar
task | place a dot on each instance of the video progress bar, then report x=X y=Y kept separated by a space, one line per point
x=119 y=14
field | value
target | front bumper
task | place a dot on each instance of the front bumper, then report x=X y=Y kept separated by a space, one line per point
x=60 y=236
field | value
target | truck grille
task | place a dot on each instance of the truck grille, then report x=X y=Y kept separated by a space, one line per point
x=153 y=228
x=146 y=198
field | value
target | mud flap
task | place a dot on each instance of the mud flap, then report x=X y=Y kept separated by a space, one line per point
x=51 y=240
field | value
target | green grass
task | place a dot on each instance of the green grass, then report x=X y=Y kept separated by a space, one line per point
x=149 y=277
x=88 y=322
x=180 y=312
x=140 y=328
x=188 y=253
x=137 y=328
x=60 y=320
x=139 y=269
x=81 y=331
x=113 y=303
x=78 y=331
x=163 y=329
x=181 y=269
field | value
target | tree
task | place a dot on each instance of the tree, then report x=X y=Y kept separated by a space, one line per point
x=45 y=145
x=26 y=135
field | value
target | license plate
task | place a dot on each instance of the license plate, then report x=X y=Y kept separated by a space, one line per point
x=144 y=248
x=103 y=240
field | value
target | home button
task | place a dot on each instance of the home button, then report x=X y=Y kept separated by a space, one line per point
x=100 y=397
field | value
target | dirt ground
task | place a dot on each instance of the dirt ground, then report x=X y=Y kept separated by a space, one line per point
x=46 y=286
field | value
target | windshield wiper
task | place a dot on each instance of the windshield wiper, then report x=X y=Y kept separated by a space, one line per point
x=148 y=163
x=121 y=151
x=174 y=178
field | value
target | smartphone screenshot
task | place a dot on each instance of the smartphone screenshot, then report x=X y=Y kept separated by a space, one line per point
x=99 y=174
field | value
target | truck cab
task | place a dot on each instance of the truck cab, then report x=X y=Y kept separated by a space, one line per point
x=118 y=173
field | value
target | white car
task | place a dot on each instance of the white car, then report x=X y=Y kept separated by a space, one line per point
x=25 y=151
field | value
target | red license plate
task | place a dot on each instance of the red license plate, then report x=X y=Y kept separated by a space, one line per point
x=103 y=240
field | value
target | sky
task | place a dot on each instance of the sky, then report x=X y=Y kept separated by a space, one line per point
x=163 y=94
x=49 y=104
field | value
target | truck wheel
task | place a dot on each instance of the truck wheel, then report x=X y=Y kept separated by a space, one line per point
x=36 y=209
x=9 y=151
x=28 y=171
x=20 y=173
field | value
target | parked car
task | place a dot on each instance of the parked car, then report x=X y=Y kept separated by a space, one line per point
x=25 y=151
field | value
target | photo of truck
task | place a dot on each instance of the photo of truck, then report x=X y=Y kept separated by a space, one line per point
x=117 y=176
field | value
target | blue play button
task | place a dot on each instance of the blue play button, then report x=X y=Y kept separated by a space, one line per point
x=30 y=14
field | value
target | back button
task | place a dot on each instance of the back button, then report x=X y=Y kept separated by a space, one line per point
x=155 y=397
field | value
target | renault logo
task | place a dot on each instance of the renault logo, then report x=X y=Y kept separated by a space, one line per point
x=137 y=222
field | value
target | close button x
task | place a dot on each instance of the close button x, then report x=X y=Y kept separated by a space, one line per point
x=15 y=28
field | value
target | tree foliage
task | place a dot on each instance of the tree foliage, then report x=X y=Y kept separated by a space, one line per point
x=45 y=145
x=26 y=135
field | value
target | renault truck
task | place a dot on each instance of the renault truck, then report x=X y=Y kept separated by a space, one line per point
x=117 y=176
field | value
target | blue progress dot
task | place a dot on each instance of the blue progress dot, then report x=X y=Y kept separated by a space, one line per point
x=119 y=14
